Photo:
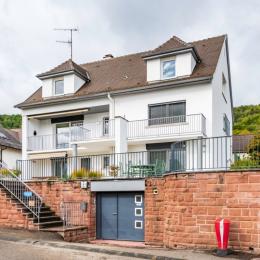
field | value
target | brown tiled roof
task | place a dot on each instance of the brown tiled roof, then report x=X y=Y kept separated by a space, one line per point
x=129 y=71
x=8 y=138
x=173 y=43
x=241 y=143
x=68 y=65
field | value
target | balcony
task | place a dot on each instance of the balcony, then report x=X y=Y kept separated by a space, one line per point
x=177 y=126
x=74 y=134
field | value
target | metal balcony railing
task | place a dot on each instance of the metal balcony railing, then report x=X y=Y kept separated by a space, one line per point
x=167 y=126
x=76 y=133
x=191 y=155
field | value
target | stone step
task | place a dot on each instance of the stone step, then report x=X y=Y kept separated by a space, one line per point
x=45 y=219
x=57 y=223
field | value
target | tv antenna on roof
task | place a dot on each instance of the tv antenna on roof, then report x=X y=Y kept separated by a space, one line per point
x=70 y=30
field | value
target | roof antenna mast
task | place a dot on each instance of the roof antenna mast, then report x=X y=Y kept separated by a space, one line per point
x=70 y=41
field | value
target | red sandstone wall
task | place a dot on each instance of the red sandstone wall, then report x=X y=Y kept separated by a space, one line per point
x=184 y=211
x=10 y=216
x=55 y=192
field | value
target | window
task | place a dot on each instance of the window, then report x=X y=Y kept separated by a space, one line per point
x=67 y=131
x=167 y=69
x=85 y=163
x=59 y=87
x=105 y=125
x=138 y=212
x=138 y=224
x=138 y=199
x=224 y=87
x=178 y=156
x=59 y=167
x=167 y=113
x=62 y=135
x=106 y=162
x=226 y=125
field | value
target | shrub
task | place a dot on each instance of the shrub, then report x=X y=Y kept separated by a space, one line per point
x=5 y=172
x=85 y=174
x=245 y=164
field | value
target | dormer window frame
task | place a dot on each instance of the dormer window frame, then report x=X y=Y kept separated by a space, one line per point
x=162 y=62
x=54 y=86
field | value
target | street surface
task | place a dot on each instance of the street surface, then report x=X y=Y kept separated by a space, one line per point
x=19 y=251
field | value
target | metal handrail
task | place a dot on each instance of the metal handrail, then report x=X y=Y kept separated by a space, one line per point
x=21 y=191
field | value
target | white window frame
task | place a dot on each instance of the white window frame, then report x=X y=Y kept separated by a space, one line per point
x=54 y=87
x=141 y=224
x=137 y=202
x=161 y=69
x=138 y=215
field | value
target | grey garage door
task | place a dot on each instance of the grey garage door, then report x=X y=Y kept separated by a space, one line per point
x=120 y=216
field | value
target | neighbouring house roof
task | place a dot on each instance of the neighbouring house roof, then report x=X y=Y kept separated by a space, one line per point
x=241 y=143
x=129 y=71
x=9 y=139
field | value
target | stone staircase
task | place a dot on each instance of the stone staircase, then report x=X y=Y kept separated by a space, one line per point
x=46 y=219
x=26 y=201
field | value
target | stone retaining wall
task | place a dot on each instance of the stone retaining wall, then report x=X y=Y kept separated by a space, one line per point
x=183 y=212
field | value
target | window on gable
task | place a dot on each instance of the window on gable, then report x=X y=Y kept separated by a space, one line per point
x=226 y=125
x=59 y=87
x=168 y=69
x=224 y=87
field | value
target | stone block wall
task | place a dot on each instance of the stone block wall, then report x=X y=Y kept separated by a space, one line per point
x=56 y=192
x=183 y=212
x=11 y=216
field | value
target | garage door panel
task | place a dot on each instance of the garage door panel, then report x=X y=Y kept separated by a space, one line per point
x=120 y=216
x=109 y=216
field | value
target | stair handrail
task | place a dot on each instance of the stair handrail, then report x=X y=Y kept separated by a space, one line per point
x=37 y=207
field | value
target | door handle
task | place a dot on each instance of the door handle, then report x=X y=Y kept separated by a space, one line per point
x=114 y=213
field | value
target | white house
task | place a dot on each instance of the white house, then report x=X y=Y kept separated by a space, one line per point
x=153 y=100
x=10 y=147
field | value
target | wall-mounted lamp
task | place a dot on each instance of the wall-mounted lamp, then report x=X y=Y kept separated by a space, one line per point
x=155 y=190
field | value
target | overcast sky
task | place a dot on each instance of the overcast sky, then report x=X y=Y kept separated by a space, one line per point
x=28 y=42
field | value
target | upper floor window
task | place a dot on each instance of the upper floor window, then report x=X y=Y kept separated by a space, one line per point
x=167 y=113
x=167 y=69
x=226 y=125
x=58 y=87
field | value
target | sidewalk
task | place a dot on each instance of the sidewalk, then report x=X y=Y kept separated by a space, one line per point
x=53 y=241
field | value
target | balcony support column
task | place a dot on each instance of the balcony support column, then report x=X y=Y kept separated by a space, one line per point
x=120 y=134
x=24 y=137
x=74 y=156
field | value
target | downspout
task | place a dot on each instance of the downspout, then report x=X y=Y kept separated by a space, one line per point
x=112 y=100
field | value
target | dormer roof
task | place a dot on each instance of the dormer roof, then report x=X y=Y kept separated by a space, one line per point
x=173 y=46
x=66 y=67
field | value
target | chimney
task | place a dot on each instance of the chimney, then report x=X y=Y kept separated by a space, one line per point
x=108 y=56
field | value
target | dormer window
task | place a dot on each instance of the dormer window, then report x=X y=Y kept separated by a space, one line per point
x=59 y=87
x=168 y=69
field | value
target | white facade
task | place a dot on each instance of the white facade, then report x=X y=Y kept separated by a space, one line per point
x=185 y=64
x=10 y=156
x=121 y=123
x=72 y=83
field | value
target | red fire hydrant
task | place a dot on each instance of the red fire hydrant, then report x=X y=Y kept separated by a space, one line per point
x=222 y=234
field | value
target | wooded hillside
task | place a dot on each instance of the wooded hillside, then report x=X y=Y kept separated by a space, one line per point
x=247 y=119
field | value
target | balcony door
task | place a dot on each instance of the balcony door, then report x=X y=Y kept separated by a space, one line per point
x=65 y=132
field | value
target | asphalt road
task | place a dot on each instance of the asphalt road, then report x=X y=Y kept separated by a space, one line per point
x=19 y=251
